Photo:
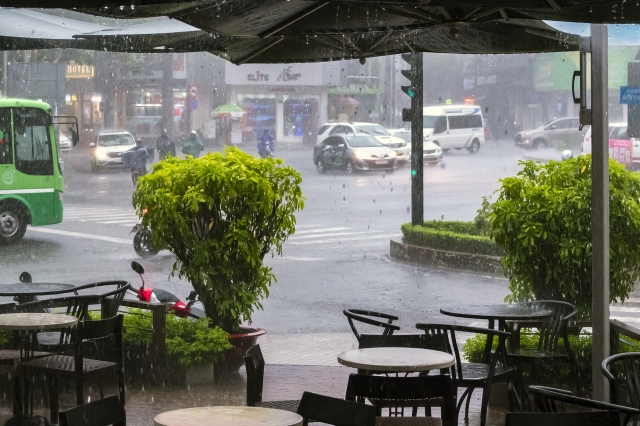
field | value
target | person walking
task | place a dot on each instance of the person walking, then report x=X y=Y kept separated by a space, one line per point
x=163 y=144
x=265 y=144
x=193 y=146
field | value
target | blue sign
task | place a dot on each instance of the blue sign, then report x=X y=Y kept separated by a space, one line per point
x=193 y=104
x=629 y=95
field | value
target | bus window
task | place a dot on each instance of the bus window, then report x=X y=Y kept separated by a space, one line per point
x=32 y=142
x=6 y=151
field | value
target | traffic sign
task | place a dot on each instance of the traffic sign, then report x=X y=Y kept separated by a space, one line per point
x=630 y=95
x=193 y=104
x=193 y=91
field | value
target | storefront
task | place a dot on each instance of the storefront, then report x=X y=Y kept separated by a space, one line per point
x=82 y=98
x=290 y=101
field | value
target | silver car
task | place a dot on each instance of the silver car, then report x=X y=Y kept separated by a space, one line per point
x=550 y=133
x=431 y=153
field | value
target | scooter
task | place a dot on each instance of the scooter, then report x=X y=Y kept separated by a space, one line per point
x=143 y=240
x=178 y=307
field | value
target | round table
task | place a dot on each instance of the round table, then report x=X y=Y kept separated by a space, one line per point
x=501 y=312
x=228 y=416
x=36 y=322
x=396 y=359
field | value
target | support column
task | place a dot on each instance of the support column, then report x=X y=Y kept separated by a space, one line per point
x=417 y=161
x=600 y=207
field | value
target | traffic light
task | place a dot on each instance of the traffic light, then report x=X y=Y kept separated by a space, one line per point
x=411 y=74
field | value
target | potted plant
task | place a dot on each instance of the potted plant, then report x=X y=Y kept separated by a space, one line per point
x=220 y=215
x=542 y=219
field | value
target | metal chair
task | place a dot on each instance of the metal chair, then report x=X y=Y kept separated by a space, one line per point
x=473 y=375
x=254 y=364
x=547 y=398
x=623 y=373
x=551 y=331
x=599 y=418
x=103 y=412
x=78 y=367
x=362 y=316
x=334 y=411
x=405 y=392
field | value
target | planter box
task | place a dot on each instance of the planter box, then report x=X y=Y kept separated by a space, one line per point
x=499 y=396
x=449 y=259
x=200 y=374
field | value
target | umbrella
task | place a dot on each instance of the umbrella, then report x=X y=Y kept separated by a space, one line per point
x=228 y=109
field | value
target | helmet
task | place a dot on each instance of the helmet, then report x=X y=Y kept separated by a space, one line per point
x=193 y=132
x=138 y=140
x=566 y=154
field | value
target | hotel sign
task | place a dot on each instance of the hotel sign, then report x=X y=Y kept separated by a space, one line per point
x=79 y=71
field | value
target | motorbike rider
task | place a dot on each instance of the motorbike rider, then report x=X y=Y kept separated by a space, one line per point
x=265 y=144
x=163 y=144
x=193 y=146
x=138 y=158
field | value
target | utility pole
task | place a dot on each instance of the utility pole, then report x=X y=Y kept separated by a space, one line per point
x=414 y=115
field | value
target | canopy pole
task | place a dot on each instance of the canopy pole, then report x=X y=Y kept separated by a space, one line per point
x=600 y=207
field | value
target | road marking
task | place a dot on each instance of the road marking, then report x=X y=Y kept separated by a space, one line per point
x=328 y=235
x=307 y=226
x=333 y=240
x=321 y=230
x=623 y=309
x=625 y=319
x=302 y=259
x=80 y=235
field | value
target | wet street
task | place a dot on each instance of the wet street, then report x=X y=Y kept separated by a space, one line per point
x=338 y=258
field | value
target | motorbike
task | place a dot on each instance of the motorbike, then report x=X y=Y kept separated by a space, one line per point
x=136 y=160
x=267 y=153
x=178 y=307
x=143 y=240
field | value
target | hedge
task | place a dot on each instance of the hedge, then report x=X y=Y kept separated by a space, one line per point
x=455 y=226
x=436 y=237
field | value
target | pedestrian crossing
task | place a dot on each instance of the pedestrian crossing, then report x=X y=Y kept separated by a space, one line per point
x=101 y=215
x=320 y=235
x=306 y=234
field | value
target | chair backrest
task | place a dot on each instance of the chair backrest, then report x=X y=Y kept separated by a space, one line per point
x=623 y=372
x=401 y=390
x=555 y=327
x=422 y=341
x=363 y=316
x=254 y=364
x=103 y=412
x=597 y=418
x=335 y=411
x=110 y=301
x=447 y=332
x=547 y=398
x=95 y=330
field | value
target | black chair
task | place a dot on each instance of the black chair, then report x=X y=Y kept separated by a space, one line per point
x=473 y=375
x=78 y=367
x=549 y=348
x=406 y=392
x=363 y=316
x=254 y=364
x=110 y=301
x=623 y=373
x=103 y=412
x=334 y=411
x=599 y=418
x=547 y=398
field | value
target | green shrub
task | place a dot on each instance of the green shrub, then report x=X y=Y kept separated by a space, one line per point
x=542 y=219
x=448 y=240
x=457 y=227
x=188 y=341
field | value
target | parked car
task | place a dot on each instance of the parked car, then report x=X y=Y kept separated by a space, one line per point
x=64 y=142
x=398 y=144
x=454 y=127
x=353 y=153
x=431 y=153
x=550 y=133
x=108 y=147
x=617 y=131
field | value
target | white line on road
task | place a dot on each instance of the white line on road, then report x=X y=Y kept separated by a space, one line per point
x=346 y=239
x=625 y=319
x=331 y=234
x=91 y=216
x=123 y=220
x=302 y=259
x=623 y=309
x=80 y=235
x=307 y=226
x=321 y=230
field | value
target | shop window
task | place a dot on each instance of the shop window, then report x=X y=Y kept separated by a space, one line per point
x=260 y=116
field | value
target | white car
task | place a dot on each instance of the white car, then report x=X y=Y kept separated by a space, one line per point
x=616 y=131
x=431 y=153
x=64 y=143
x=398 y=144
x=108 y=148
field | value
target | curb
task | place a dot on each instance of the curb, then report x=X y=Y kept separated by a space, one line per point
x=425 y=256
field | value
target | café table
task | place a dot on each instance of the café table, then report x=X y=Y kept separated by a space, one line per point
x=26 y=292
x=506 y=315
x=30 y=323
x=396 y=360
x=228 y=416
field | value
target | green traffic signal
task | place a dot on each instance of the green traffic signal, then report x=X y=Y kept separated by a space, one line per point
x=409 y=90
x=413 y=172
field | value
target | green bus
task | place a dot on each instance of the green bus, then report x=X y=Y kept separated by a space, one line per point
x=31 y=183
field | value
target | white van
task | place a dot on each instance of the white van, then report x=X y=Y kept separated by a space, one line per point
x=454 y=127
